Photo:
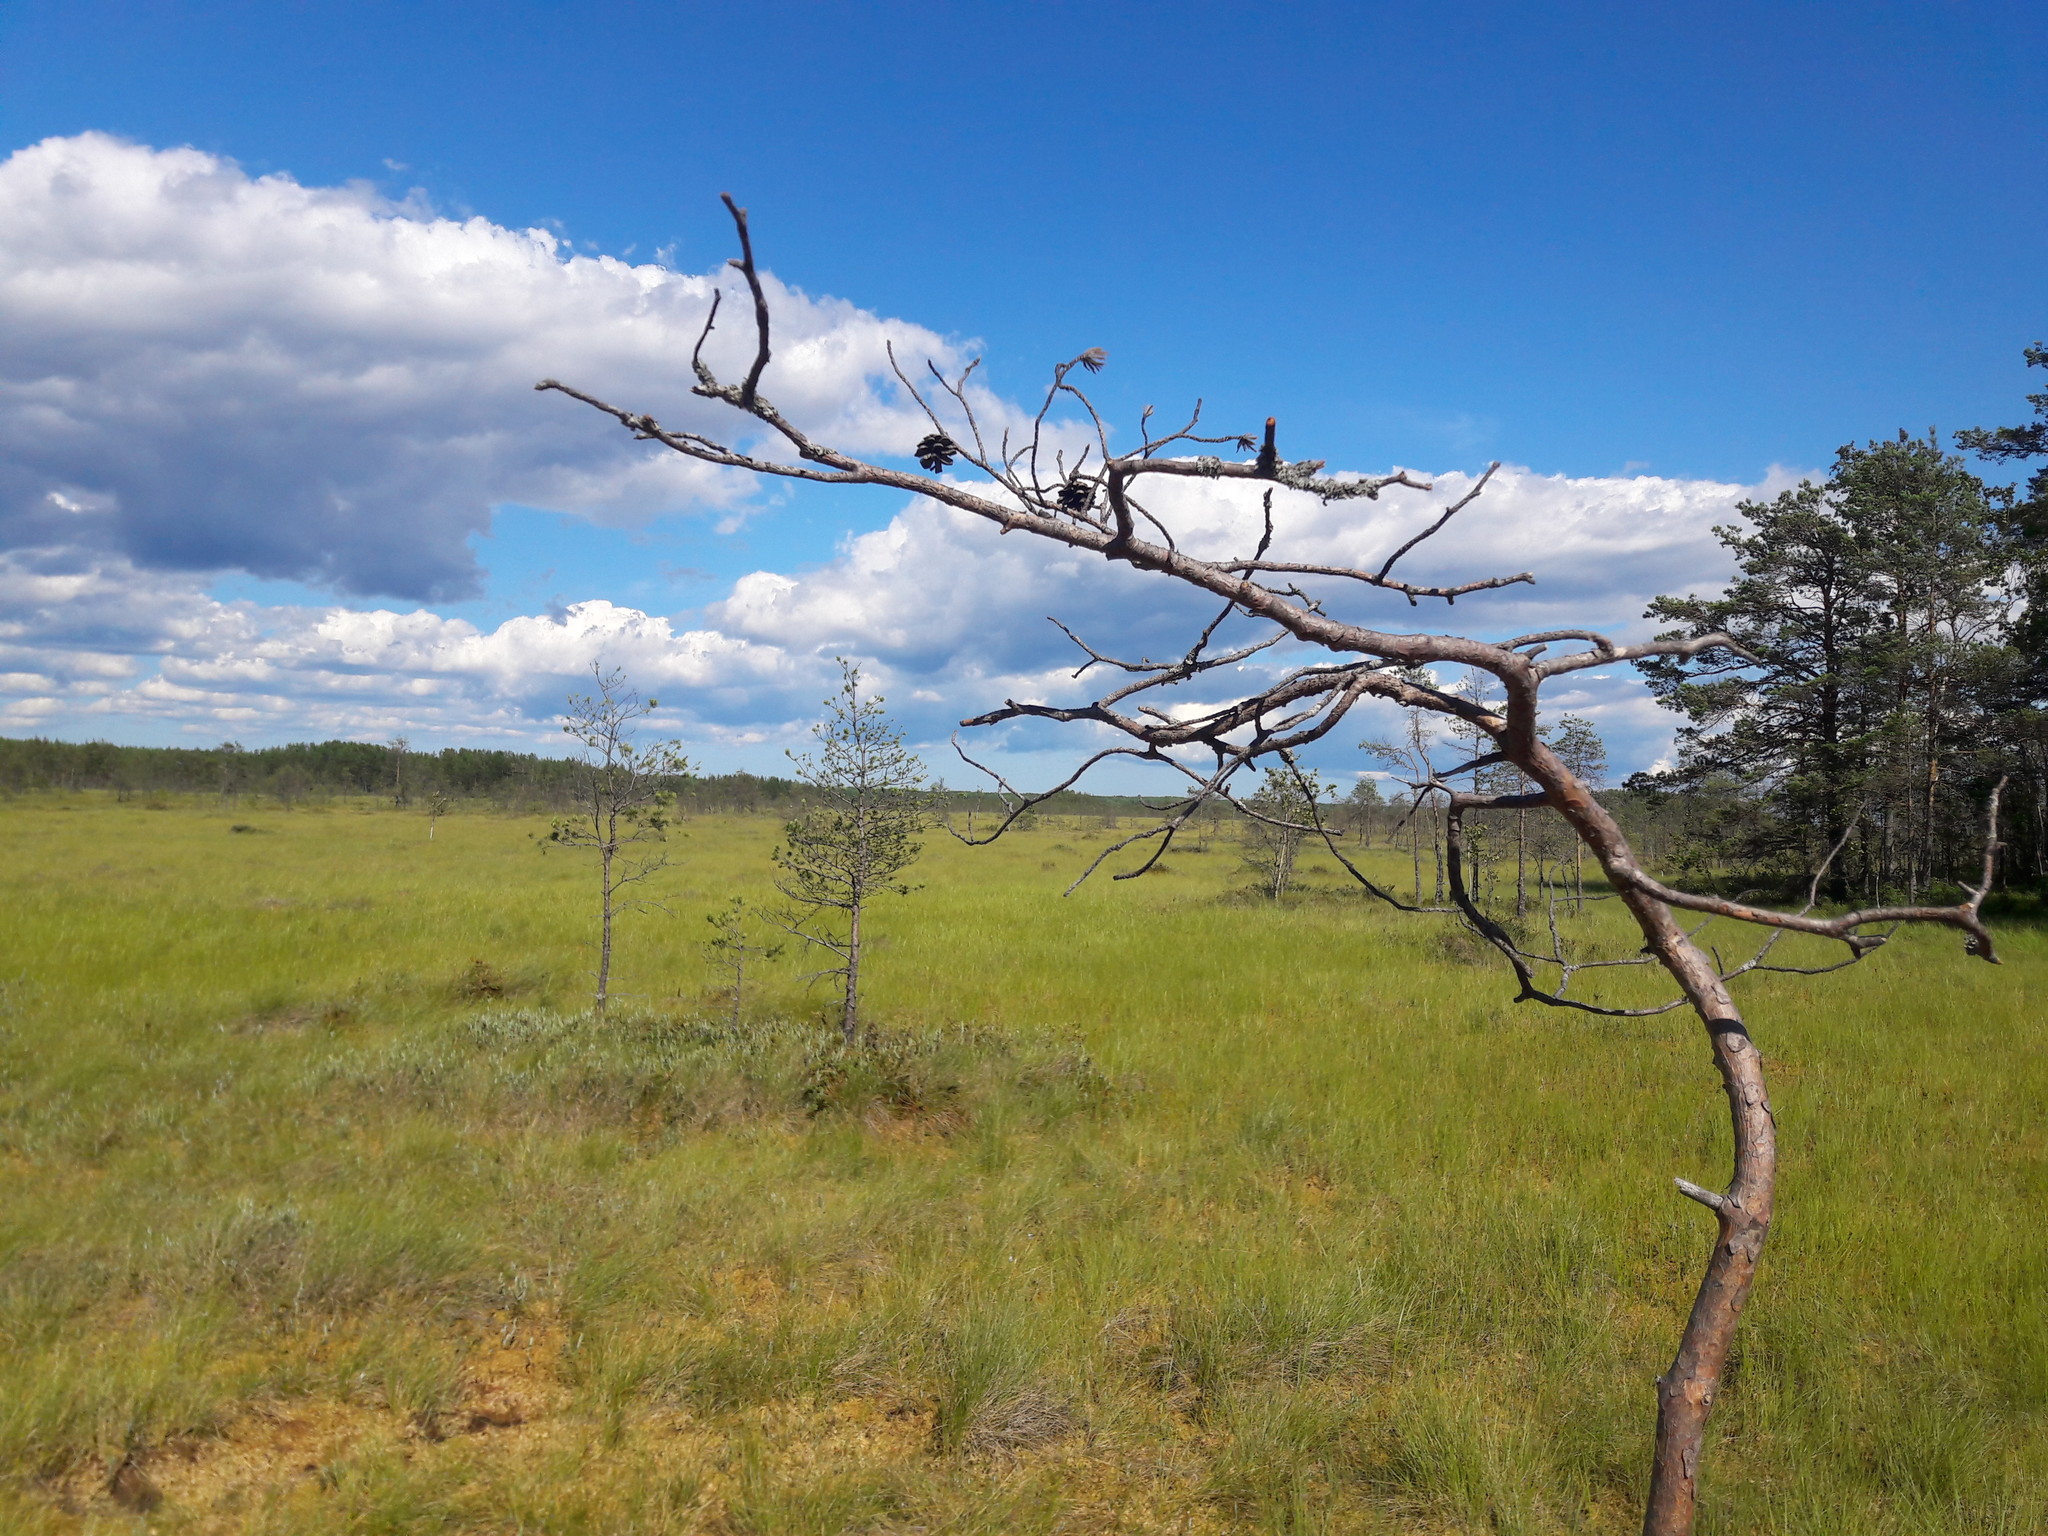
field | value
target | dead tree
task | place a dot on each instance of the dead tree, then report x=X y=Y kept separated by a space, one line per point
x=1093 y=503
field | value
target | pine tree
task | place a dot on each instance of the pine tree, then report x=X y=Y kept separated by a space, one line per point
x=1284 y=810
x=625 y=796
x=1876 y=607
x=732 y=950
x=870 y=800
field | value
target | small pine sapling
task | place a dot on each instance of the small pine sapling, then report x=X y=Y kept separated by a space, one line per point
x=869 y=801
x=1280 y=815
x=625 y=802
x=730 y=951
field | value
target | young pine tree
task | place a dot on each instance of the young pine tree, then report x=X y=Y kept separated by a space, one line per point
x=625 y=796
x=1283 y=808
x=1363 y=808
x=732 y=949
x=869 y=801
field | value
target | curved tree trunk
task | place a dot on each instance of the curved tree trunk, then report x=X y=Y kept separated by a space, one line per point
x=1686 y=1392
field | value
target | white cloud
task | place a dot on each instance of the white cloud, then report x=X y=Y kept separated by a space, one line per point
x=949 y=616
x=203 y=370
x=945 y=602
x=211 y=668
x=937 y=585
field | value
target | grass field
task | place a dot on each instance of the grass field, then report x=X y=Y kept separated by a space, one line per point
x=324 y=1209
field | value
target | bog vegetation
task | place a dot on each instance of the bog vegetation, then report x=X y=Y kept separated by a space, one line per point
x=326 y=1206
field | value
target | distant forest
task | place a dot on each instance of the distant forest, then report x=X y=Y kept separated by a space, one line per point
x=315 y=771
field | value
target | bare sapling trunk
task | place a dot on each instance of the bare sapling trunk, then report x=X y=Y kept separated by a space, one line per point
x=1436 y=850
x=607 y=906
x=849 y=1013
x=1521 y=865
x=1034 y=481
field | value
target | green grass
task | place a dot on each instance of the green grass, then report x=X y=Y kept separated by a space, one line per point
x=1156 y=1208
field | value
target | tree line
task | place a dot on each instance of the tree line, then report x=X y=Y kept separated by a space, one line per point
x=476 y=777
x=1895 y=620
x=297 y=771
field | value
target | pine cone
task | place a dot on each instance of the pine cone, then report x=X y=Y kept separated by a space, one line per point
x=1077 y=495
x=936 y=452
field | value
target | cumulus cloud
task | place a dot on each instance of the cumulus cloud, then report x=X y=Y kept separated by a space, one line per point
x=937 y=586
x=108 y=645
x=203 y=370
x=950 y=618
x=961 y=614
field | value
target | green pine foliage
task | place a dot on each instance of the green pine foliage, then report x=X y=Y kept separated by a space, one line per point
x=1887 y=610
x=868 y=801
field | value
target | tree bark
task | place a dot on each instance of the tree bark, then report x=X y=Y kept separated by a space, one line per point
x=1686 y=1392
x=604 y=945
x=849 y=1019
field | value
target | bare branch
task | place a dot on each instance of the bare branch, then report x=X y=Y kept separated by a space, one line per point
x=745 y=263
x=697 y=364
x=1706 y=1197
x=1606 y=650
x=1498 y=937
x=1450 y=512
x=1966 y=915
x=1407 y=590
x=1019 y=802
x=1322 y=831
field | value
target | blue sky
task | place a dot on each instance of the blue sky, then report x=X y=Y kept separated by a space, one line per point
x=1597 y=241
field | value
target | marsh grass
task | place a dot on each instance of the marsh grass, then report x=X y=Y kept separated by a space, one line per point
x=1157 y=1208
